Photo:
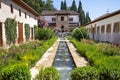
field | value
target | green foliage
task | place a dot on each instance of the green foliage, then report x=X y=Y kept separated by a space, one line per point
x=80 y=33
x=87 y=18
x=108 y=49
x=27 y=31
x=28 y=53
x=10 y=30
x=83 y=19
x=15 y=72
x=85 y=73
x=73 y=7
x=49 y=73
x=63 y=5
x=40 y=5
x=45 y=34
x=35 y=31
x=102 y=57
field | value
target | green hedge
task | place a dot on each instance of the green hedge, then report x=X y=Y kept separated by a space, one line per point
x=45 y=34
x=35 y=31
x=15 y=72
x=27 y=53
x=80 y=33
x=106 y=61
x=11 y=30
x=85 y=73
x=27 y=31
x=49 y=73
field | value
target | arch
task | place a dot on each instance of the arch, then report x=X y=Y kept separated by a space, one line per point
x=116 y=28
x=108 y=29
x=62 y=28
x=102 y=29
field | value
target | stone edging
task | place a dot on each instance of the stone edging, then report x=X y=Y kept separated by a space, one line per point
x=78 y=60
x=46 y=60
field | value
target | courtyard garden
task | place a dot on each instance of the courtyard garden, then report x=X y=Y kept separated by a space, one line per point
x=104 y=59
x=15 y=62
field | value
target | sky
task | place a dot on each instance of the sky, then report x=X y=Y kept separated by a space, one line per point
x=95 y=8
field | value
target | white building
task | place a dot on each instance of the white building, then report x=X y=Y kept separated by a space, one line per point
x=106 y=28
x=22 y=13
x=63 y=20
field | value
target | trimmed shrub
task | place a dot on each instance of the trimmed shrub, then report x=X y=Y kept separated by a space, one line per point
x=45 y=34
x=10 y=30
x=49 y=73
x=27 y=31
x=80 y=33
x=108 y=49
x=35 y=31
x=85 y=73
x=105 y=61
x=15 y=72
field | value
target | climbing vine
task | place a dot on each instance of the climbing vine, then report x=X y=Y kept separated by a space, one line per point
x=27 y=32
x=35 y=31
x=10 y=30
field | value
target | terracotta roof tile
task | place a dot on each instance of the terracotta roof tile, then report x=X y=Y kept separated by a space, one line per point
x=59 y=12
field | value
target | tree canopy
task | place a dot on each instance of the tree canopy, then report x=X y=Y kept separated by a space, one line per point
x=73 y=7
x=40 y=5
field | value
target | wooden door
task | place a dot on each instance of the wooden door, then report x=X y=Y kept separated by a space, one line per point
x=20 y=33
x=1 y=43
x=31 y=33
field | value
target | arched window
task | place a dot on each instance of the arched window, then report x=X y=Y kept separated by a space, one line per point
x=116 y=28
x=108 y=30
x=98 y=29
x=103 y=29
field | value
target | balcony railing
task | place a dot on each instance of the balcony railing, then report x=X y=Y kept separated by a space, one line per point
x=73 y=24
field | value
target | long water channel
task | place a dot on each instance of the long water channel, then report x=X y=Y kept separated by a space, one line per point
x=63 y=60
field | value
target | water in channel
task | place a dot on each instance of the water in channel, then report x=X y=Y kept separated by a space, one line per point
x=63 y=61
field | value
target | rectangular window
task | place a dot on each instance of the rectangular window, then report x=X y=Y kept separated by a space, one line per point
x=19 y=12
x=70 y=19
x=25 y=15
x=53 y=19
x=0 y=3
x=11 y=7
x=62 y=18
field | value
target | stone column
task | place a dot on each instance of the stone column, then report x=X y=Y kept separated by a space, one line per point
x=105 y=32
x=112 y=27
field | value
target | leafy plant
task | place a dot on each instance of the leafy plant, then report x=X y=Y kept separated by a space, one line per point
x=27 y=31
x=80 y=33
x=85 y=73
x=35 y=31
x=10 y=30
x=49 y=73
x=15 y=72
x=45 y=34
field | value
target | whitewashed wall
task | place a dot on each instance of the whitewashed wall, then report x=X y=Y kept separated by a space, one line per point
x=5 y=12
x=109 y=37
x=75 y=18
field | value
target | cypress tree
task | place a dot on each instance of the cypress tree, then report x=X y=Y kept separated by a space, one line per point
x=73 y=7
x=87 y=19
x=65 y=5
x=81 y=14
x=62 y=5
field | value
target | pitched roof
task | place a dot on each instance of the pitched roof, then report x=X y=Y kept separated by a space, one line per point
x=25 y=6
x=107 y=15
x=61 y=12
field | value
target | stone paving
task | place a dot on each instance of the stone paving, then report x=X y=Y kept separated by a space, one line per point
x=48 y=58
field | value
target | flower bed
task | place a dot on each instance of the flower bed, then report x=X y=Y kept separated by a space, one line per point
x=27 y=54
x=104 y=57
